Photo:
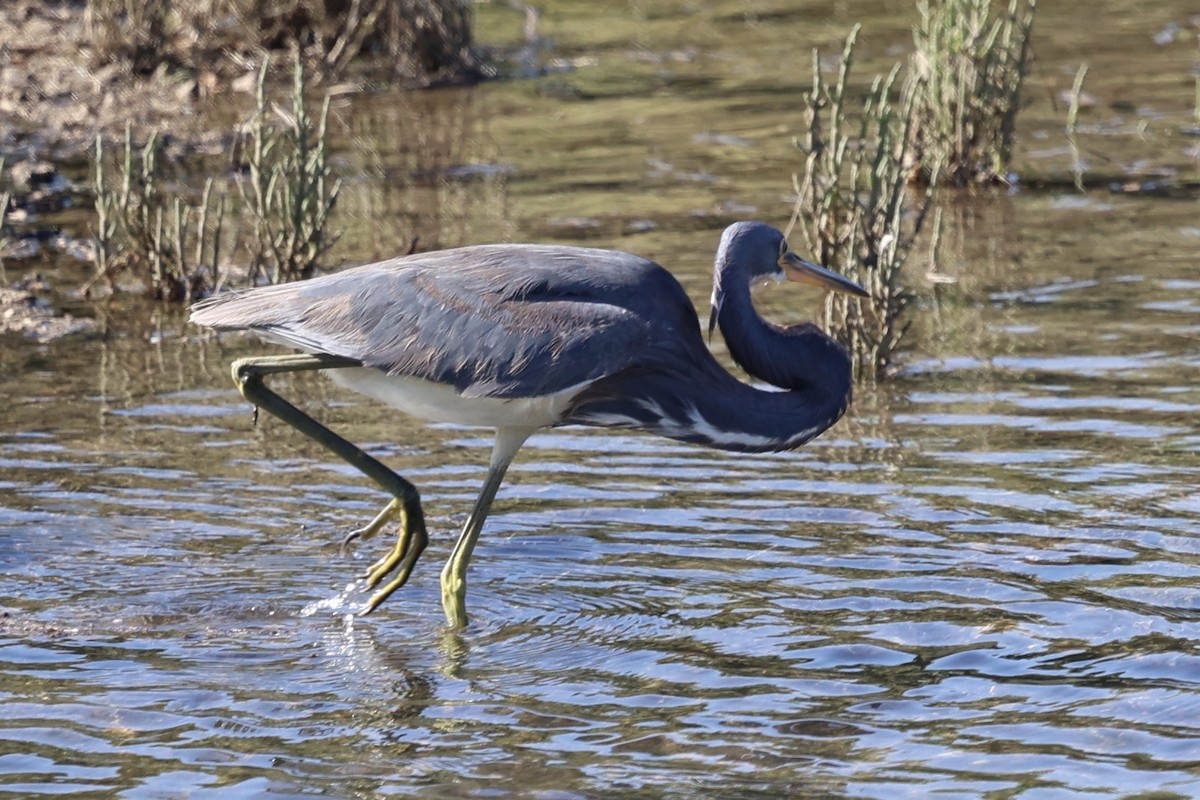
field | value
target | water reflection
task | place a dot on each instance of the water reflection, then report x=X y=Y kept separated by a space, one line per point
x=428 y=168
x=981 y=583
x=984 y=576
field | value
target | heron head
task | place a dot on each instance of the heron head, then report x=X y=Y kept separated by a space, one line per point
x=757 y=252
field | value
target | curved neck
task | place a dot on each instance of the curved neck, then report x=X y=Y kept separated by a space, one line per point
x=800 y=358
x=696 y=400
x=708 y=406
x=813 y=369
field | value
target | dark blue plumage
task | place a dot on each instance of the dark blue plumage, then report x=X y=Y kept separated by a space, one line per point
x=521 y=337
x=520 y=321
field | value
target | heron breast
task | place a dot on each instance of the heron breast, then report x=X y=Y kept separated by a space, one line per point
x=439 y=402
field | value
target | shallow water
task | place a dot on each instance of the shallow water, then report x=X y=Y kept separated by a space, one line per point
x=982 y=583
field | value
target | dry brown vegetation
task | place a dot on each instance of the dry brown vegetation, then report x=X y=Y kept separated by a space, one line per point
x=414 y=41
x=70 y=68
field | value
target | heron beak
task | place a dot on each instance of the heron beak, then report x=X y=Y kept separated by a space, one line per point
x=712 y=321
x=797 y=269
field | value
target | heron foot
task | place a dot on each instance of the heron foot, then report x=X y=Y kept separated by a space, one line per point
x=374 y=526
x=403 y=556
x=379 y=570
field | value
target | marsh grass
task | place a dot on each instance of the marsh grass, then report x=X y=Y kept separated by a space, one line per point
x=869 y=172
x=965 y=81
x=1196 y=75
x=289 y=189
x=151 y=226
x=856 y=209
x=1072 y=126
x=144 y=229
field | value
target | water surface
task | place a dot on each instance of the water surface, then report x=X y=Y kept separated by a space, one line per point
x=982 y=583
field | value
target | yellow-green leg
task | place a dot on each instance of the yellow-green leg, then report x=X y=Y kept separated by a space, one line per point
x=248 y=374
x=454 y=574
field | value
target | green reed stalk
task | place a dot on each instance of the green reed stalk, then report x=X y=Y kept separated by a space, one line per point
x=856 y=209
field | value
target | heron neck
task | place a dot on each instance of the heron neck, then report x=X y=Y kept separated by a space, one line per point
x=683 y=393
x=707 y=405
x=802 y=359
x=798 y=358
x=696 y=400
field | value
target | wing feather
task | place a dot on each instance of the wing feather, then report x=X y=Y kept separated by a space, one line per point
x=497 y=320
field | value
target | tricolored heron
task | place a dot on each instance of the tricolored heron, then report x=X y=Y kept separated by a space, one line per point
x=519 y=337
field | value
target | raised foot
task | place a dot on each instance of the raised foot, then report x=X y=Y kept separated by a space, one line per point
x=373 y=527
x=401 y=559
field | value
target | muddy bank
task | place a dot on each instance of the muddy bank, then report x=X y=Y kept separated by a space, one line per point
x=29 y=314
x=63 y=80
x=53 y=102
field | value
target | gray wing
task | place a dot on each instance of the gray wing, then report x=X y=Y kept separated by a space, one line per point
x=497 y=320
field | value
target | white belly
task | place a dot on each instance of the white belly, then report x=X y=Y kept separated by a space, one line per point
x=440 y=403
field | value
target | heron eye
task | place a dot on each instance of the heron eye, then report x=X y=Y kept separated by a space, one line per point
x=783 y=247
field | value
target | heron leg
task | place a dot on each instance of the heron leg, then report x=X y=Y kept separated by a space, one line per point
x=248 y=374
x=454 y=574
